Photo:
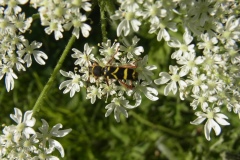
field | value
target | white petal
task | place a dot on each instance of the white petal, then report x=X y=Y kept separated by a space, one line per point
x=135 y=24
x=53 y=158
x=151 y=67
x=27 y=131
x=75 y=32
x=151 y=94
x=39 y=57
x=64 y=84
x=61 y=133
x=85 y=30
x=22 y=1
x=122 y=26
x=48 y=30
x=28 y=59
x=31 y=122
x=221 y=121
x=67 y=89
x=174 y=43
x=86 y=6
x=17 y=116
x=177 y=54
x=44 y=127
x=216 y=127
x=123 y=111
x=199 y=60
x=220 y=115
x=138 y=99
x=207 y=131
x=64 y=73
x=27 y=115
x=165 y=77
x=58 y=35
x=166 y=35
x=67 y=26
x=116 y=115
x=198 y=121
x=168 y=88
x=109 y=111
x=187 y=37
x=55 y=144
x=160 y=35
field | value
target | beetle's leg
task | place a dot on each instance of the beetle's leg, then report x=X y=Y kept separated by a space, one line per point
x=126 y=85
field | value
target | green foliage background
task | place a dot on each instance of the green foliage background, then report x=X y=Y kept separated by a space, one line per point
x=154 y=130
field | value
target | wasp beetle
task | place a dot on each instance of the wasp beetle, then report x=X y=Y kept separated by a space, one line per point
x=112 y=72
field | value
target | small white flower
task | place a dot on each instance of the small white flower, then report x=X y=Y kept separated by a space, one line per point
x=149 y=92
x=54 y=26
x=13 y=60
x=189 y=62
x=83 y=58
x=229 y=32
x=200 y=12
x=108 y=90
x=29 y=50
x=213 y=118
x=198 y=82
x=20 y=22
x=12 y=6
x=235 y=57
x=9 y=76
x=208 y=44
x=28 y=143
x=162 y=27
x=22 y=142
x=46 y=137
x=200 y=98
x=7 y=138
x=144 y=71
x=6 y=27
x=76 y=21
x=25 y=123
x=109 y=51
x=93 y=92
x=183 y=48
x=131 y=50
x=72 y=85
x=118 y=105
x=154 y=11
x=128 y=17
x=76 y=5
x=174 y=79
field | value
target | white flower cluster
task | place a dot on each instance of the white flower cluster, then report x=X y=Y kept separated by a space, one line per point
x=21 y=141
x=15 y=50
x=159 y=14
x=207 y=56
x=100 y=86
x=58 y=15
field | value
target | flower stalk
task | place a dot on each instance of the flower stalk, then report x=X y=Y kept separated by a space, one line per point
x=46 y=88
x=103 y=21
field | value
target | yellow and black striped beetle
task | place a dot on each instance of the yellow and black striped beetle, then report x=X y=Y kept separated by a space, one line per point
x=120 y=73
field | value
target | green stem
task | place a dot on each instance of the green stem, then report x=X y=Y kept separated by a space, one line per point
x=103 y=20
x=46 y=88
x=148 y=123
x=36 y=16
x=110 y=7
